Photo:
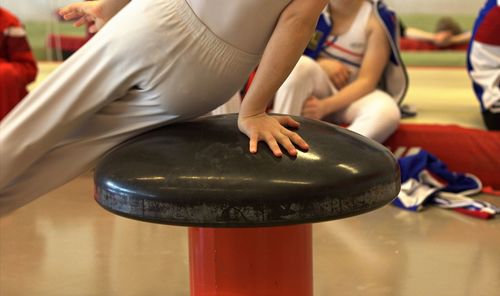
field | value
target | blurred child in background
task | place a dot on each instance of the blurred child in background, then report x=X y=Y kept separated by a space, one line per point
x=17 y=65
x=483 y=62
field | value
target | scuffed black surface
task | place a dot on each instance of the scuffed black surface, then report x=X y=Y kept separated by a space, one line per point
x=200 y=173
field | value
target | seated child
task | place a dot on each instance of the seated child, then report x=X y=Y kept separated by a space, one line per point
x=353 y=74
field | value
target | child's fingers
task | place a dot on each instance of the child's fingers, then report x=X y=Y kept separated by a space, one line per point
x=337 y=81
x=287 y=121
x=291 y=122
x=298 y=140
x=70 y=15
x=287 y=144
x=308 y=106
x=254 y=140
x=273 y=145
x=93 y=29
x=65 y=10
x=276 y=136
x=79 y=22
x=71 y=9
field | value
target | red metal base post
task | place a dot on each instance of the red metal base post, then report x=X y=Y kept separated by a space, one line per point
x=274 y=261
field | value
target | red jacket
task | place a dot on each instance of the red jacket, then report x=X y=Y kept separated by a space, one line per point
x=17 y=65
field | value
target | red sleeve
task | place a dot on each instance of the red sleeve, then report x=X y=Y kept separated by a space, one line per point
x=17 y=65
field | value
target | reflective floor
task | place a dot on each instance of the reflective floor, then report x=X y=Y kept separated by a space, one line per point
x=442 y=96
x=64 y=244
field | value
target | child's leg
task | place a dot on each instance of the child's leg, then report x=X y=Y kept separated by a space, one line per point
x=306 y=79
x=93 y=77
x=120 y=84
x=54 y=169
x=375 y=116
x=92 y=102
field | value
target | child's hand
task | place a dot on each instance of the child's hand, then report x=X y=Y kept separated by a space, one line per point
x=338 y=73
x=89 y=13
x=313 y=108
x=272 y=130
x=443 y=38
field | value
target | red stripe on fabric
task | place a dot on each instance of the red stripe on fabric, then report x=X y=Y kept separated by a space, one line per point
x=475 y=214
x=248 y=83
x=247 y=86
x=331 y=44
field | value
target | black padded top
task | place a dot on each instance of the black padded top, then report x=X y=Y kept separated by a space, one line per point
x=200 y=173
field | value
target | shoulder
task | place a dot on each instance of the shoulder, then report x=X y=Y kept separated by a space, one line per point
x=374 y=25
x=7 y=19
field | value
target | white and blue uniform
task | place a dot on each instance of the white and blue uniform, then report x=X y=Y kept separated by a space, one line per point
x=155 y=62
x=483 y=62
x=349 y=48
x=375 y=115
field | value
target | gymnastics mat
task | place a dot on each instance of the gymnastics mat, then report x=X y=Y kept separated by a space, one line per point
x=464 y=150
x=407 y=44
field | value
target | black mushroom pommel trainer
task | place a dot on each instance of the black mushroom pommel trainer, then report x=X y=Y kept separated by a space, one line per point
x=200 y=174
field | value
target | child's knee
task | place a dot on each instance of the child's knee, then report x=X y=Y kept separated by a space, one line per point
x=385 y=104
x=383 y=107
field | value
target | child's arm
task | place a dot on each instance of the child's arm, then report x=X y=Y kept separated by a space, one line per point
x=376 y=58
x=291 y=35
x=95 y=13
x=338 y=72
x=417 y=34
x=462 y=38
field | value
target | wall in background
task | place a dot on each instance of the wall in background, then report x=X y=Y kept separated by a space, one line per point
x=441 y=7
x=43 y=9
x=34 y=10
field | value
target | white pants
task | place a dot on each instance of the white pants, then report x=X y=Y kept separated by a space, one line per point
x=375 y=115
x=154 y=63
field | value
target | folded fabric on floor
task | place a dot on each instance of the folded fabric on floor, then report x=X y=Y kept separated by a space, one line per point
x=427 y=181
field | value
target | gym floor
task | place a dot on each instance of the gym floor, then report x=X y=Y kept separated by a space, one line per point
x=65 y=244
